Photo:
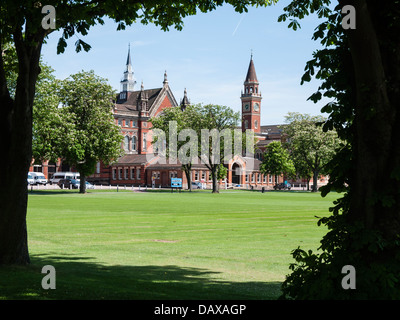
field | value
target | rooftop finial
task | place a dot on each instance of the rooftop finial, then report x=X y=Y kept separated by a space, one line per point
x=165 y=77
x=251 y=54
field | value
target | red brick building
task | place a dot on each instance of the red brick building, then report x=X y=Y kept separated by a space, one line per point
x=140 y=166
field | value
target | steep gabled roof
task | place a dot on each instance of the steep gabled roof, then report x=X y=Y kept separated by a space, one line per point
x=131 y=105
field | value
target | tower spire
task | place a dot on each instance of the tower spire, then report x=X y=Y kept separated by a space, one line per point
x=251 y=100
x=185 y=101
x=128 y=81
x=128 y=59
x=251 y=72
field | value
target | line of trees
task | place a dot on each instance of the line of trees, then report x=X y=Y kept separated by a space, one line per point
x=306 y=149
x=204 y=134
x=71 y=118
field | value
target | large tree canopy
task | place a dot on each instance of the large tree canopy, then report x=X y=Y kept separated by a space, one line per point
x=311 y=148
x=90 y=134
x=277 y=161
x=21 y=23
x=360 y=69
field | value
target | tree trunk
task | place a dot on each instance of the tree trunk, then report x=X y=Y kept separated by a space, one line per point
x=15 y=161
x=188 y=172
x=315 y=181
x=16 y=149
x=82 y=184
x=375 y=198
x=214 y=178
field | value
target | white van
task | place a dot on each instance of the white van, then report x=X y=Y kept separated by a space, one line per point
x=64 y=175
x=30 y=178
x=38 y=178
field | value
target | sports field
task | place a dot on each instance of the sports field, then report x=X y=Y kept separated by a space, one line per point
x=158 y=245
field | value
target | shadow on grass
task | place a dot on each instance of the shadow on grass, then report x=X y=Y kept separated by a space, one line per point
x=82 y=278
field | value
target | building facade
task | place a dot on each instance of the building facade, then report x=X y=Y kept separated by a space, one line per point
x=141 y=166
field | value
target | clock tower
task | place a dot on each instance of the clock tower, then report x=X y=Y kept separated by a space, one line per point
x=251 y=101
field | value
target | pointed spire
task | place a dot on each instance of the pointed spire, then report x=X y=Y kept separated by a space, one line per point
x=251 y=72
x=128 y=81
x=185 y=101
x=128 y=59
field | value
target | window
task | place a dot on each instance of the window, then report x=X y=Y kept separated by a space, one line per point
x=126 y=173
x=196 y=176
x=259 y=178
x=247 y=178
x=173 y=174
x=203 y=175
x=156 y=174
x=246 y=124
x=133 y=123
x=126 y=143
x=253 y=177
x=132 y=173
x=144 y=142
x=127 y=124
x=269 y=179
x=98 y=167
x=120 y=122
x=134 y=143
x=114 y=174
x=120 y=174
x=255 y=124
x=265 y=178
x=138 y=173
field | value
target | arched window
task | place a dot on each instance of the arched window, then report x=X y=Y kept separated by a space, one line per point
x=126 y=143
x=134 y=143
x=144 y=147
x=255 y=124
x=246 y=124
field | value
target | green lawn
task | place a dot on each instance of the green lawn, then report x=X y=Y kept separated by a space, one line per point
x=158 y=245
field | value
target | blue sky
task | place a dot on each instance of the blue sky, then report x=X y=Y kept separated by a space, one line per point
x=209 y=58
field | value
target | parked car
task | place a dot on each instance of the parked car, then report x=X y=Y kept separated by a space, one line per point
x=30 y=179
x=283 y=186
x=89 y=185
x=197 y=185
x=68 y=183
x=73 y=184
x=63 y=175
x=38 y=178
